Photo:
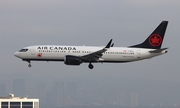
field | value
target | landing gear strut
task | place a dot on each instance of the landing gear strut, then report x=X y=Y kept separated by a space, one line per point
x=29 y=65
x=90 y=66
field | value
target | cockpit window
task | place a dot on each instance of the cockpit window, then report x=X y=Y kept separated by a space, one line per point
x=23 y=50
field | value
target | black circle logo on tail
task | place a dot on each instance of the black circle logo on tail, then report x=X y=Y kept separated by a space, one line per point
x=155 y=40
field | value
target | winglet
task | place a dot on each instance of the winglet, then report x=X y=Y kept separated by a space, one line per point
x=112 y=45
x=109 y=44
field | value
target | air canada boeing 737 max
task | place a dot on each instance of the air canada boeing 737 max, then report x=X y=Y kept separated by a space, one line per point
x=75 y=55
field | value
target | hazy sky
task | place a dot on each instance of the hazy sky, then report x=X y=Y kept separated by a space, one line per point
x=89 y=22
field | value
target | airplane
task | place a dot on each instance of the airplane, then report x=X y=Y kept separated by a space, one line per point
x=76 y=55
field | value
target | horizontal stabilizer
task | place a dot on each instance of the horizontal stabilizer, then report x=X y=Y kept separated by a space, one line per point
x=158 y=50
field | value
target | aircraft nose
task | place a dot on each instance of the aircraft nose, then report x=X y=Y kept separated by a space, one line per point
x=17 y=54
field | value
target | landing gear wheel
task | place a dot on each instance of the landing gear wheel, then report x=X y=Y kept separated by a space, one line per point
x=29 y=65
x=90 y=66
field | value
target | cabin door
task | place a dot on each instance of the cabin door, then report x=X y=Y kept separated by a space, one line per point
x=33 y=52
x=139 y=54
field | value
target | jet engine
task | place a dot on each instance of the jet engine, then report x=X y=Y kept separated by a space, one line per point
x=72 y=60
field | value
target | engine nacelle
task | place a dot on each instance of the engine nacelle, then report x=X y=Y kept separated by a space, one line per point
x=72 y=60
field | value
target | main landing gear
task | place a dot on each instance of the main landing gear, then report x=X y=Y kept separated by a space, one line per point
x=90 y=66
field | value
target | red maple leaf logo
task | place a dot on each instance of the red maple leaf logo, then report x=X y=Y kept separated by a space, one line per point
x=155 y=40
x=39 y=55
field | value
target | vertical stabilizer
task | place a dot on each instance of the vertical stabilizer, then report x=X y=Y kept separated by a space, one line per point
x=155 y=40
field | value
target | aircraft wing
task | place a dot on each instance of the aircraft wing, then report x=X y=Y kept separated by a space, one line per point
x=96 y=55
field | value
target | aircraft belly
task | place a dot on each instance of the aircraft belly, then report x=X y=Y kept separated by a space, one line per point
x=119 y=58
x=54 y=56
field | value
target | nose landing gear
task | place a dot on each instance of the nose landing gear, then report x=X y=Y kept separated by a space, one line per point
x=29 y=65
x=90 y=66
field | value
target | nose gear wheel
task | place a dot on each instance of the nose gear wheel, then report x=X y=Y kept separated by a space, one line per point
x=29 y=65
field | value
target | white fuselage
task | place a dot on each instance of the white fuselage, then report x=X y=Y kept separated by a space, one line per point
x=58 y=53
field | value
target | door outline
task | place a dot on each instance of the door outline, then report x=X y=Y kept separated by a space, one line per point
x=33 y=52
x=138 y=53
